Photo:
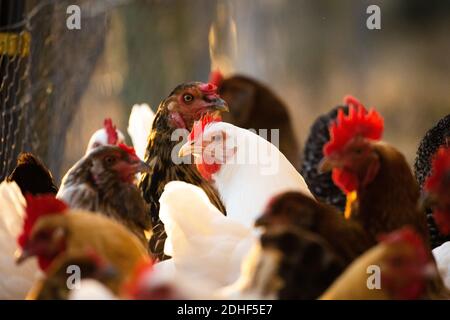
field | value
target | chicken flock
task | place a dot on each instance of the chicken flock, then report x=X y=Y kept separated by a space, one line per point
x=204 y=208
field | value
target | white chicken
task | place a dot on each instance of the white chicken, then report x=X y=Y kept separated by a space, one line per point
x=206 y=247
x=139 y=126
x=246 y=169
x=15 y=281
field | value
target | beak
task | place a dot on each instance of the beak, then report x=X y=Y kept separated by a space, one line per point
x=22 y=255
x=190 y=148
x=262 y=221
x=218 y=104
x=327 y=164
x=141 y=166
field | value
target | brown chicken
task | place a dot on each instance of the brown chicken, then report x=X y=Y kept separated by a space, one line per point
x=287 y=263
x=104 y=181
x=52 y=232
x=382 y=194
x=400 y=267
x=345 y=237
x=185 y=104
x=32 y=176
x=255 y=106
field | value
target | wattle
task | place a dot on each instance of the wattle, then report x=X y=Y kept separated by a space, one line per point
x=207 y=170
x=345 y=180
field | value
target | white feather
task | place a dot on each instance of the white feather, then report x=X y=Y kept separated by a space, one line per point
x=205 y=246
x=442 y=256
x=15 y=280
x=139 y=126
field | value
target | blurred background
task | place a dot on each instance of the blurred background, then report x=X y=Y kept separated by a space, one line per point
x=57 y=85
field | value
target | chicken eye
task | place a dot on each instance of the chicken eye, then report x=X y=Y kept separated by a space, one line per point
x=188 y=97
x=110 y=160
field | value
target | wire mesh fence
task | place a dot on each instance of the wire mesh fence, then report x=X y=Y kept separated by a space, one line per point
x=44 y=69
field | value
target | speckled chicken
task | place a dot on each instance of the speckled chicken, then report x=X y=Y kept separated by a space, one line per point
x=437 y=136
x=321 y=184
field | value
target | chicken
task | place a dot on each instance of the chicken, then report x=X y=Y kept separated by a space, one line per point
x=437 y=190
x=103 y=181
x=246 y=169
x=436 y=137
x=15 y=281
x=321 y=184
x=52 y=232
x=108 y=135
x=437 y=198
x=91 y=267
x=32 y=176
x=400 y=267
x=346 y=238
x=255 y=106
x=286 y=263
x=206 y=247
x=139 y=125
x=382 y=194
x=176 y=114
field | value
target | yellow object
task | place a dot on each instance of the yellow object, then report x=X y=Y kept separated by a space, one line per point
x=15 y=44
x=351 y=198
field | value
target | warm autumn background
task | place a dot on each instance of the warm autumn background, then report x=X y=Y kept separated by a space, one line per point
x=311 y=53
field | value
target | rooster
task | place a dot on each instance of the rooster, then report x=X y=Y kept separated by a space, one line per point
x=246 y=169
x=53 y=233
x=436 y=137
x=382 y=194
x=108 y=135
x=345 y=237
x=104 y=181
x=185 y=104
x=405 y=271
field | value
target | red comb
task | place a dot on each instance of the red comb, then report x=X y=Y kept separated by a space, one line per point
x=407 y=235
x=111 y=131
x=133 y=286
x=208 y=88
x=359 y=122
x=127 y=149
x=216 y=77
x=199 y=125
x=37 y=207
x=440 y=167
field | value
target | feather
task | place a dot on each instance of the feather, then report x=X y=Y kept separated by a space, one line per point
x=204 y=244
x=139 y=126
x=15 y=281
